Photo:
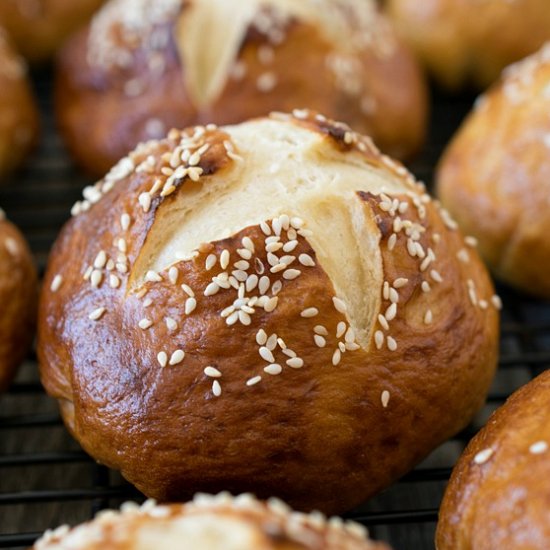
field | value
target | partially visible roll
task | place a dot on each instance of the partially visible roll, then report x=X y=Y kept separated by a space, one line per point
x=499 y=493
x=468 y=42
x=494 y=177
x=209 y=522
x=39 y=27
x=18 y=293
x=18 y=113
x=143 y=67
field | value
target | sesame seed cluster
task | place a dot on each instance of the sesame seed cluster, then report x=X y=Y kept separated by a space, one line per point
x=269 y=519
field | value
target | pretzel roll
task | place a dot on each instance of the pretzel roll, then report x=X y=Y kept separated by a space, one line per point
x=494 y=176
x=469 y=42
x=274 y=307
x=499 y=491
x=218 y=522
x=145 y=66
x=18 y=294
x=39 y=27
x=18 y=114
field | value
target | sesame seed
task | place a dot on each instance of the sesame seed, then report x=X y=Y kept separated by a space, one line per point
x=114 y=281
x=271 y=304
x=319 y=341
x=266 y=355
x=290 y=246
x=121 y=268
x=273 y=247
x=244 y=253
x=350 y=335
x=340 y=329
x=426 y=286
x=190 y=305
x=97 y=314
x=394 y=296
x=173 y=274
x=296 y=223
x=471 y=241
x=264 y=284
x=483 y=304
x=240 y=275
x=276 y=288
x=177 y=357
x=271 y=343
x=483 y=456
x=320 y=329
x=171 y=324
x=261 y=337
x=145 y=201
x=291 y=274
x=463 y=255
x=436 y=276
x=538 y=448
x=383 y=322
x=265 y=228
x=352 y=346
x=100 y=260
x=248 y=244
x=289 y=353
x=254 y=381
x=392 y=344
x=148 y=302
x=400 y=283
x=336 y=357
x=216 y=388
x=392 y=241
x=212 y=372
x=428 y=317
x=391 y=312
x=233 y=318
x=342 y=347
x=273 y=369
x=385 y=398
x=144 y=324
x=210 y=261
x=122 y=246
x=96 y=277
x=187 y=289
x=162 y=358
x=224 y=259
x=307 y=260
x=125 y=221
x=56 y=283
x=281 y=343
x=386 y=290
x=379 y=339
x=309 y=312
x=245 y=318
x=152 y=277
x=295 y=362
x=110 y=265
x=497 y=302
x=339 y=305
x=287 y=260
x=211 y=289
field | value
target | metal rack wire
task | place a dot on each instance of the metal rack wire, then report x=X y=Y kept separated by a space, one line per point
x=46 y=480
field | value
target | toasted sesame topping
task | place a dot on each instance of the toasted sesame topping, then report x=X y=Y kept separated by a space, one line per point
x=339 y=305
x=400 y=283
x=101 y=260
x=56 y=283
x=216 y=388
x=211 y=289
x=391 y=312
x=310 y=312
x=261 y=337
x=177 y=357
x=96 y=277
x=125 y=221
x=295 y=362
x=153 y=276
x=496 y=301
x=254 y=381
x=385 y=398
x=483 y=456
x=379 y=339
x=171 y=324
x=426 y=286
x=173 y=274
x=428 y=317
x=144 y=324
x=436 y=276
x=114 y=281
x=145 y=201
x=392 y=344
x=538 y=448
x=190 y=305
x=266 y=355
x=320 y=329
x=97 y=314
x=212 y=372
x=291 y=274
x=336 y=357
x=306 y=260
x=273 y=369
x=340 y=329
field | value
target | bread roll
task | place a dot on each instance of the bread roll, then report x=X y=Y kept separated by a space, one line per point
x=210 y=523
x=271 y=307
x=469 y=42
x=18 y=114
x=494 y=177
x=500 y=489
x=18 y=293
x=39 y=27
x=144 y=67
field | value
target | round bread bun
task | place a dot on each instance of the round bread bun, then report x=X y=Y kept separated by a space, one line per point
x=271 y=307
x=144 y=67
x=499 y=492
x=18 y=113
x=18 y=293
x=39 y=27
x=494 y=176
x=469 y=42
x=218 y=522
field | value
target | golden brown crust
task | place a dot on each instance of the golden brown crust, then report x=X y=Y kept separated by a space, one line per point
x=39 y=27
x=112 y=91
x=18 y=113
x=499 y=493
x=218 y=522
x=464 y=43
x=18 y=293
x=355 y=416
x=494 y=175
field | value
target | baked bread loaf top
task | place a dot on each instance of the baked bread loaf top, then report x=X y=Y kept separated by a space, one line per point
x=465 y=43
x=273 y=307
x=494 y=176
x=18 y=114
x=144 y=67
x=499 y=491
x=39 y=27
x=218 y=522
x=18 y=293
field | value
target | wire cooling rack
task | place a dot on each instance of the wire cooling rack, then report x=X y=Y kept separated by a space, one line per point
x=47 y=480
